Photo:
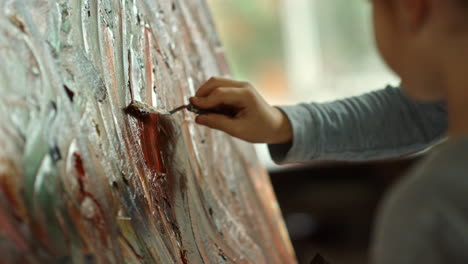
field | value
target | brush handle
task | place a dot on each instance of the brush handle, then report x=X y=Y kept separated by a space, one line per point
x=222 y=110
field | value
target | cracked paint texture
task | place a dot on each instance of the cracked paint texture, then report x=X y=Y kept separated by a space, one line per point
x=83 y=182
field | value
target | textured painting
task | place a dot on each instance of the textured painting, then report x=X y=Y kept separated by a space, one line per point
x=81 y=181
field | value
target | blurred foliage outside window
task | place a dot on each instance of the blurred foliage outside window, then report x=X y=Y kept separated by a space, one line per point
x=261 y=49
x=250 y=31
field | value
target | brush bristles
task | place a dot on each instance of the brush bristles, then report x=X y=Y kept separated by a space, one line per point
x=139 y=109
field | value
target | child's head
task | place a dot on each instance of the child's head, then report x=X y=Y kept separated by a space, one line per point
x=422 y=41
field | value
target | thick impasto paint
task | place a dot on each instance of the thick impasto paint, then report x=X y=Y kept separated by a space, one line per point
x=83 y=182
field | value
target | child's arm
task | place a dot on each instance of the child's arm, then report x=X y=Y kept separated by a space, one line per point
x=376 y=125
x=379 y=124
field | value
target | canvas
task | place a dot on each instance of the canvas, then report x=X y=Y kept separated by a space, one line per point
x=82 y=181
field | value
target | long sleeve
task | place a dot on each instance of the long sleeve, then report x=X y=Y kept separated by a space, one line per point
x=376 y=125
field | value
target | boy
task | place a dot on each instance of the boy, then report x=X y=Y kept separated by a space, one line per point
x=424 y=218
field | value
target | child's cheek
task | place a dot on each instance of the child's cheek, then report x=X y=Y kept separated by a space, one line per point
x=384 y=36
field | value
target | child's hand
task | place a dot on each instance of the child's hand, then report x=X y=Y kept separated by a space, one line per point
x=254 y=120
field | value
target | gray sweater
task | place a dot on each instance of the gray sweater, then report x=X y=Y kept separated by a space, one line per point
x=424 y=218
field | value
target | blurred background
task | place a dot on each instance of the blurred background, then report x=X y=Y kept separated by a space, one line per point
x=313 y=50
x=301 y=50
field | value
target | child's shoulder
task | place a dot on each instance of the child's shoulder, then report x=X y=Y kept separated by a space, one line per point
x=446 y=165
x=439 y=179
x=428 y=209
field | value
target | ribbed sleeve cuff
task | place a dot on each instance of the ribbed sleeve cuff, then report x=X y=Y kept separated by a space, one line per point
x=298 y=150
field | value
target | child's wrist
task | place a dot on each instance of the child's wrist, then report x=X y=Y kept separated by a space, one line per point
x=283 y=132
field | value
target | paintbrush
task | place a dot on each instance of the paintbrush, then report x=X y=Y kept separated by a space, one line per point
x=140 y=109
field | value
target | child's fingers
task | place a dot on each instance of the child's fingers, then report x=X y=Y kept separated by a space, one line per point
x=216 y=121
x=220 y=96
x=215 y=82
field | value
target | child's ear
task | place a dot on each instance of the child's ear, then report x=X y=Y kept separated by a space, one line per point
x=416 y=12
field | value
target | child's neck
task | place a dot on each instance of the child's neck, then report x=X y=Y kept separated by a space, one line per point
x=458 y=120
x=457 y=97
